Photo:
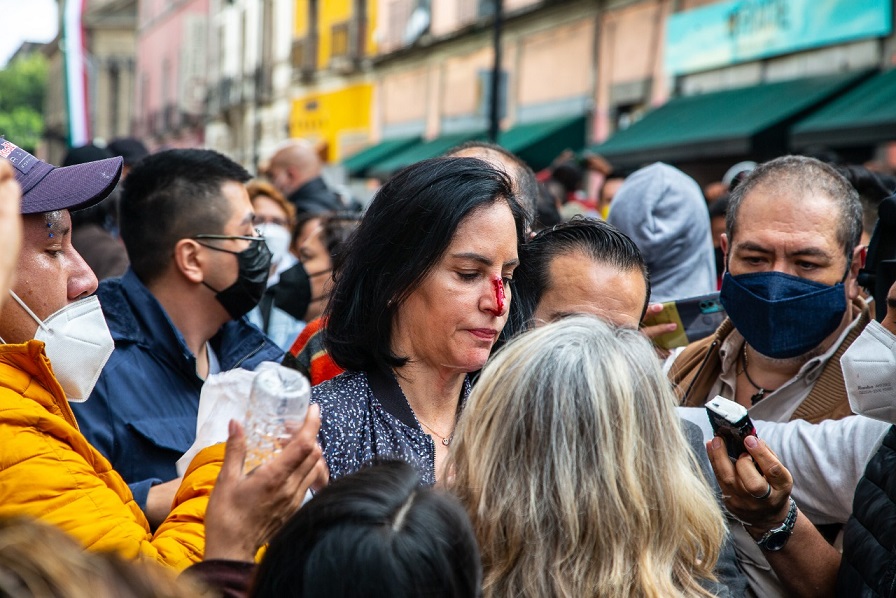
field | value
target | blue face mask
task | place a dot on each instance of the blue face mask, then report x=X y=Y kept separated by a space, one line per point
x=780 y=315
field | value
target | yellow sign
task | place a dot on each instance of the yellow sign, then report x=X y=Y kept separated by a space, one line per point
x=334 y=118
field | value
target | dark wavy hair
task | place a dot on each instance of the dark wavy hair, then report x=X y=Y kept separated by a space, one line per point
x=403 y=235
x=375 y=533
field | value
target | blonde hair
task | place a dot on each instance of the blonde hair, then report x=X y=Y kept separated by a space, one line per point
x=574 y=469
x=257 y=188
x=38 y=560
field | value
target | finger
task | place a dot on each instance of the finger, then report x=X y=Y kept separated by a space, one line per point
x=5 y=170
x=323 y=476
x=234 y=452
x=751 y=480
x=721 y=465
x=298 y=457
x=776 y=474
x=659 y=329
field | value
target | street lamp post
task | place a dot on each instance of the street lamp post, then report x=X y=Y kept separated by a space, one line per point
x=493 y=108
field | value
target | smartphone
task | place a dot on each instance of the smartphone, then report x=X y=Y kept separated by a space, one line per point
x=697 y=317
x=730 y=422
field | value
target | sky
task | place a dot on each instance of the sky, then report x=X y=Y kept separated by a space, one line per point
x=26 y=20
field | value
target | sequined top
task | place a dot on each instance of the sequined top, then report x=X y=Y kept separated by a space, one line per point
x=364 y=417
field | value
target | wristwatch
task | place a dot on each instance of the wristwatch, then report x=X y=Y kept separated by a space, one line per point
x=775 y=538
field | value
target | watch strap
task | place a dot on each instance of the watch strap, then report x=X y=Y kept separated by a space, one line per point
x=785 y=529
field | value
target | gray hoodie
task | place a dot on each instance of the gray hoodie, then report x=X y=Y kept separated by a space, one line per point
x=663 y=211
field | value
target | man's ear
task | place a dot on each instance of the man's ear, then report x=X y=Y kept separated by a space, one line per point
x=189 y=259
x=723 y=245
x=858 y=262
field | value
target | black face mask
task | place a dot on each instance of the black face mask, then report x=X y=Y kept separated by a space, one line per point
x=254 y=266
x=292 y=293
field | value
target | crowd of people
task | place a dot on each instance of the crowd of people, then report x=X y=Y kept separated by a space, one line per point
x=489 y=415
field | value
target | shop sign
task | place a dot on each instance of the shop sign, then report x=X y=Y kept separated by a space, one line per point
x=736 y=31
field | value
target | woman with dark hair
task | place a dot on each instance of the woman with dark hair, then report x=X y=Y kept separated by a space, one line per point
x=322 y=245
x=375 y=533
x=420 y=297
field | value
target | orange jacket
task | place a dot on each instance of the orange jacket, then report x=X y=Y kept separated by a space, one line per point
x=48 y=470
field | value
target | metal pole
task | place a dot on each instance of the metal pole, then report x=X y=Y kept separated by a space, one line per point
x=493 y=115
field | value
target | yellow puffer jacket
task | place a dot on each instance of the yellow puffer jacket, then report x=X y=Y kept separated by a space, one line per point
x=48 y=470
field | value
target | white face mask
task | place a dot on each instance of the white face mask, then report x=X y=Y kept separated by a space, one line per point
x=869 y=370
x=277 y=239
x=78 y=344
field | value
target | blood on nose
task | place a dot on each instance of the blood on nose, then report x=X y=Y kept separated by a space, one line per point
x=500 y=298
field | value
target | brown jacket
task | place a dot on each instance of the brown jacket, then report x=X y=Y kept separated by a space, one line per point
x=697 y=368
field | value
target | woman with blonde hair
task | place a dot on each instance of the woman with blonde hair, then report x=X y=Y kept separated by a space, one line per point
x=574 y=469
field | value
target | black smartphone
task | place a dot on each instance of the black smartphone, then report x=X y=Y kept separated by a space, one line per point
x=730 y=422
x=697 y=317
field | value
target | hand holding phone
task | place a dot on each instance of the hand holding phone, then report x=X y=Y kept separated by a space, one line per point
x=695 y=318
x=730 y=422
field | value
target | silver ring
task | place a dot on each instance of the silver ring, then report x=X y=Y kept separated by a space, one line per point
x=768 y=492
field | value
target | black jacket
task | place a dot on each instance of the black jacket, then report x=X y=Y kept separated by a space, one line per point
x=868 y=567
x=315 y=197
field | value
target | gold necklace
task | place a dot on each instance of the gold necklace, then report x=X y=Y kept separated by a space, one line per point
x=445 y=440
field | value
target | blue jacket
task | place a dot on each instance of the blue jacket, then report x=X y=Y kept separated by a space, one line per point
x=142 y=412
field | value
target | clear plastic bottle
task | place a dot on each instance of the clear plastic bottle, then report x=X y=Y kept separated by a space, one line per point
x=277 y=405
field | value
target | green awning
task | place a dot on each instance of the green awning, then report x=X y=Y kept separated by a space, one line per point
x=865 y=115
x=751 y=121
x=357 y=164
x=421 y=151
x=540 y=142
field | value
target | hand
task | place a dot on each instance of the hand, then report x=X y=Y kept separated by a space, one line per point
x=10 y=227
x=889 y=321
x=742 y=483
x=656 y=329
x=598 y=163
x=245 y=511
x=159 y=500
x=564 y=156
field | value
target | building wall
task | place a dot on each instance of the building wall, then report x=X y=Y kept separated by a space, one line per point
x=172 y=71
x=332 y=99
x=441 y=86
x=630 y=63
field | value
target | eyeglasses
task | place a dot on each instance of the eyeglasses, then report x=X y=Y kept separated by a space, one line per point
x=256 y=237
x=256 y=220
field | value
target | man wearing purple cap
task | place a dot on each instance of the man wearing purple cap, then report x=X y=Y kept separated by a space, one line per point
x=55 y=343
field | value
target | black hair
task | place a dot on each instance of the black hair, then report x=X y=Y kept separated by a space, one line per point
x=719 y=208
x=799 y=176
x=173 y=195
x=336 y=229
x=406 y=230
x=873 y=188
x=526 y=182
x=375 y=533
x=546 y=214
x=597 y=239
x=569 y=174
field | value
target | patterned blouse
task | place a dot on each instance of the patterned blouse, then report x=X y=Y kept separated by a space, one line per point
x=365 y=416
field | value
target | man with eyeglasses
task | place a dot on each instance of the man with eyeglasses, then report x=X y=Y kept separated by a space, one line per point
x=177 y=314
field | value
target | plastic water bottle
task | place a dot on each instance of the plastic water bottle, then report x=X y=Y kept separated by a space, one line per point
x=277 y=407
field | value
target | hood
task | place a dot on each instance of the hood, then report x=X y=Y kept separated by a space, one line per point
x=663 y=211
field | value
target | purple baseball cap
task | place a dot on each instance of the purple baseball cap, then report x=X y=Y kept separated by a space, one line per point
x=47 y=188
